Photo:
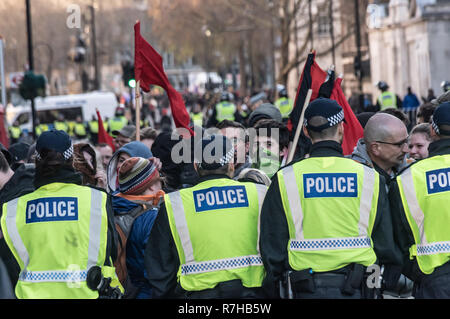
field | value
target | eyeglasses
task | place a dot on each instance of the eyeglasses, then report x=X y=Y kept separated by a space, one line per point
x=398 y=144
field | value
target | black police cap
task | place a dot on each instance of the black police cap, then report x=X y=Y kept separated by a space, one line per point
x=327 y=108
x=441 y=116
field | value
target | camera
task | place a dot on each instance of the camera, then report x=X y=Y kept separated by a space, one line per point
x=95 y=281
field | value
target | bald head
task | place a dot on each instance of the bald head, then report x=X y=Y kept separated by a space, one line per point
x=386 y=139
x=383 y=127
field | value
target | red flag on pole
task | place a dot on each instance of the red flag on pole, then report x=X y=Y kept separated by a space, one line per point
x=353 y=130
x=148 y=69
x=103 y=136
x=3 y=132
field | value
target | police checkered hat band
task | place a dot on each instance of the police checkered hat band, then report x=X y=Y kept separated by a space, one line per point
x=66 y=154
x=53 y=140
x=441 y=117
x=435 y=127
x=325 y=108
x=216 y=151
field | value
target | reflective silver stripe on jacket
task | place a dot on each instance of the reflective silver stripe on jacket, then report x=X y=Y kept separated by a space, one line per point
x=58 y=275
x=293 y=197
x=181 y=224
x=366 y=200
x=95 y=227
x=13 y=232
x=423 y=248
x=191 y=266
x=412 y=202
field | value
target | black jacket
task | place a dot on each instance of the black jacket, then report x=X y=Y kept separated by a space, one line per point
x=274 y=234
x=21 y=183
x=162 y=264
x=402 y=231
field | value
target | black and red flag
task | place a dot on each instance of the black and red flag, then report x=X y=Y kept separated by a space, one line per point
x=323 y=84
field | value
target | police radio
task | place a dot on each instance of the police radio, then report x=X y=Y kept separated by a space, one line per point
x=95 y=281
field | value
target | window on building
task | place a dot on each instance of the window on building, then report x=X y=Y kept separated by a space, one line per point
x=323 y=24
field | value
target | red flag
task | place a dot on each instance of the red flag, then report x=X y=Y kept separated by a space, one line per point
x=353 y=130
x=148 y=69
x=103 y=136
x=3 y=132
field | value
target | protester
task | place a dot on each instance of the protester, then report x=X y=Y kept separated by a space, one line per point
x=271 y=147
x=124 y=135
x=384 y=145
x=132 y=149
x=19 y=152
x=87 y=162
x=364 y=117
x=398 y=114
x=135 y=208
x=106 y=154
x=419 y=140
x=237 y=134
x=171 y=171
x=265 y=111
x=147 y=136
x=410 y=105
x=425 y=112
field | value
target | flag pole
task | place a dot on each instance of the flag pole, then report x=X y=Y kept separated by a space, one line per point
x=138 y=110
x=299 y=128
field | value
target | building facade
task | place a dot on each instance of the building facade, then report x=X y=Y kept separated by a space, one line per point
x=409 y=45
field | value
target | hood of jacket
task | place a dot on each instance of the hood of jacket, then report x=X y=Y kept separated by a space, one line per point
x=360 y=153
x=133 y=149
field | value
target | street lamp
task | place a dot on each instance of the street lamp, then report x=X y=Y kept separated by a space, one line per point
x=207 y=32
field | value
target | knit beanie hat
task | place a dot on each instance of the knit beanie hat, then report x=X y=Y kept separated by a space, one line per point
x=136 y=174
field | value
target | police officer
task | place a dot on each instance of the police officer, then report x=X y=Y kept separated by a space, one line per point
x=79 y=129
x=387 y=99
x=325 y=218
x=60 y=124
x=197 y=115
x=204 y=243
x=284 y=104
x=59 y=231
x=420 y=200
x=119 y=120
x=14 y=132
x=224 y=110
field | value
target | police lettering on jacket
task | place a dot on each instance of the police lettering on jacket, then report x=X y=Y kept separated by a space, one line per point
x=220 y=197
x=52 y=209
x=438 y=181
x=330 y=185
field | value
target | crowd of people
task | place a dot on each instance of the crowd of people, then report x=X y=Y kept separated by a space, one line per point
x=233 y=224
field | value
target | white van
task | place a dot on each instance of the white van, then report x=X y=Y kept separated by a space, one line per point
x=48 y=108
